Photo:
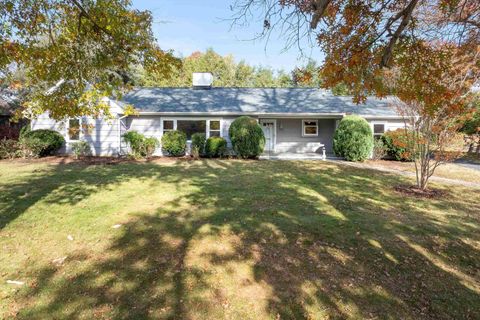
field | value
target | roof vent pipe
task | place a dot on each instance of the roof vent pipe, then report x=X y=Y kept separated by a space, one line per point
x=202 y=80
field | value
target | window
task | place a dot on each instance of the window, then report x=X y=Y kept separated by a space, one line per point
x=214 y=129
x=74 y=129
x=167 y=125
x=191 y=126
x=310 y=128
x=378 y=130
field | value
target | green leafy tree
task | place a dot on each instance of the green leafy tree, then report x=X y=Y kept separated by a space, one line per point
x=264 y=77
x=244 y=75
x=76 y=52
x=226 y=73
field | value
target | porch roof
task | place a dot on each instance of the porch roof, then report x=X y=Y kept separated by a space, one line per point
x=253 y=101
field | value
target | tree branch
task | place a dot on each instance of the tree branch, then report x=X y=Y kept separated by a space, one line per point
x=407 y=16
x=319 y=7
x=89 y=17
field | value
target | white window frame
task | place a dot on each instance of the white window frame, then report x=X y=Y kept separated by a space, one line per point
x=207 y=134
x=174 y=125
x=304 y=126
x=385 y=127
x=207 y=126
x=80 y=131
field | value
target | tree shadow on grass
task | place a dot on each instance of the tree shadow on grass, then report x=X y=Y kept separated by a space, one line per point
x=63 y=183
x=294 y=240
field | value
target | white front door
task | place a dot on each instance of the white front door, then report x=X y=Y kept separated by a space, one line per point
x=268 y=127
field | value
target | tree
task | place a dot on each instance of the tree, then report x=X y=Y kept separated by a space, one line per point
x=424 y=52
x=264 y=78
x=226 y=73
x=244 y=75
x=76 y=52
x=308 y=75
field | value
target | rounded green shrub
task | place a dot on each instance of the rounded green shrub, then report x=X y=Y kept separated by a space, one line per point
x=140 y=145
x=198 y=144
x=174 y=143
x=353 y=139
x=247 y=137
x=216 y=147
x=40 y=143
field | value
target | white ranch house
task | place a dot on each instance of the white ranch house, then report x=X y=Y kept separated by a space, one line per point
x=294 y=120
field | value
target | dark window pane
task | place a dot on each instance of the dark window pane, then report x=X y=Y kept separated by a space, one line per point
x=191 y=126
x=214 y=133
x=214 y=125
x=310 y=130
x=74 y=129
x=168 y=124
x=310 y=123
x=378 y=128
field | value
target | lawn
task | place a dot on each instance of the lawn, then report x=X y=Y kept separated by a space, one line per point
x=447 y=170
x=232 y=240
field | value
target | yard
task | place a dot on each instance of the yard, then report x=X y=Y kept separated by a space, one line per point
x=216 y=239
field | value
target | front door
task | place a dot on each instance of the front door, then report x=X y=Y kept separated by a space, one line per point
x=268 y=127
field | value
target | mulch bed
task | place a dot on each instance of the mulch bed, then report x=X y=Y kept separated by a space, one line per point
x=413 y=191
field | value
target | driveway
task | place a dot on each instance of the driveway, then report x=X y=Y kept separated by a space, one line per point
x=468 y=164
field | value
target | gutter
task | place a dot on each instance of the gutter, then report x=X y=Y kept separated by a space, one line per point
x=258 y=114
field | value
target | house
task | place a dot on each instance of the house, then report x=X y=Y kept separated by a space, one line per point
x=9 y=129
x=294 y=120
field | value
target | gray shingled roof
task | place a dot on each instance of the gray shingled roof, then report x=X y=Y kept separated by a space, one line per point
x=252 y=101
x=7 y=103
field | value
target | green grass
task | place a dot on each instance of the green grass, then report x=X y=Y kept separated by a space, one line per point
x=232 y=240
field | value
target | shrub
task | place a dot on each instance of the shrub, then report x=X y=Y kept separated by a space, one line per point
x=149 y=145
x=140 y=145
x=24 y=130
x=40 y=143
x=353 y=139
x=10 y=149
x=81 y=149
x=247 y=137
x=198 y=144
x=379 y=149
x=396 y=145
x=174 y=143
x=216 y=147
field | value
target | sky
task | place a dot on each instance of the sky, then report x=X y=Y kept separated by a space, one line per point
x=187 y=26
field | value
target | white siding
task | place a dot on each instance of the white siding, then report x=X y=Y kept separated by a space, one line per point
x=102 y=135
x=390 y=124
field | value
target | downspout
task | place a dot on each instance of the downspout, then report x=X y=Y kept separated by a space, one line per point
x=119 y=134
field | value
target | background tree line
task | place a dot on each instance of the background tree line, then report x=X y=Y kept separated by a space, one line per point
x=229 y=73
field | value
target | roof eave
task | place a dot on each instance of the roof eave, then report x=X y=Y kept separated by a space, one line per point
x=259 y=114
